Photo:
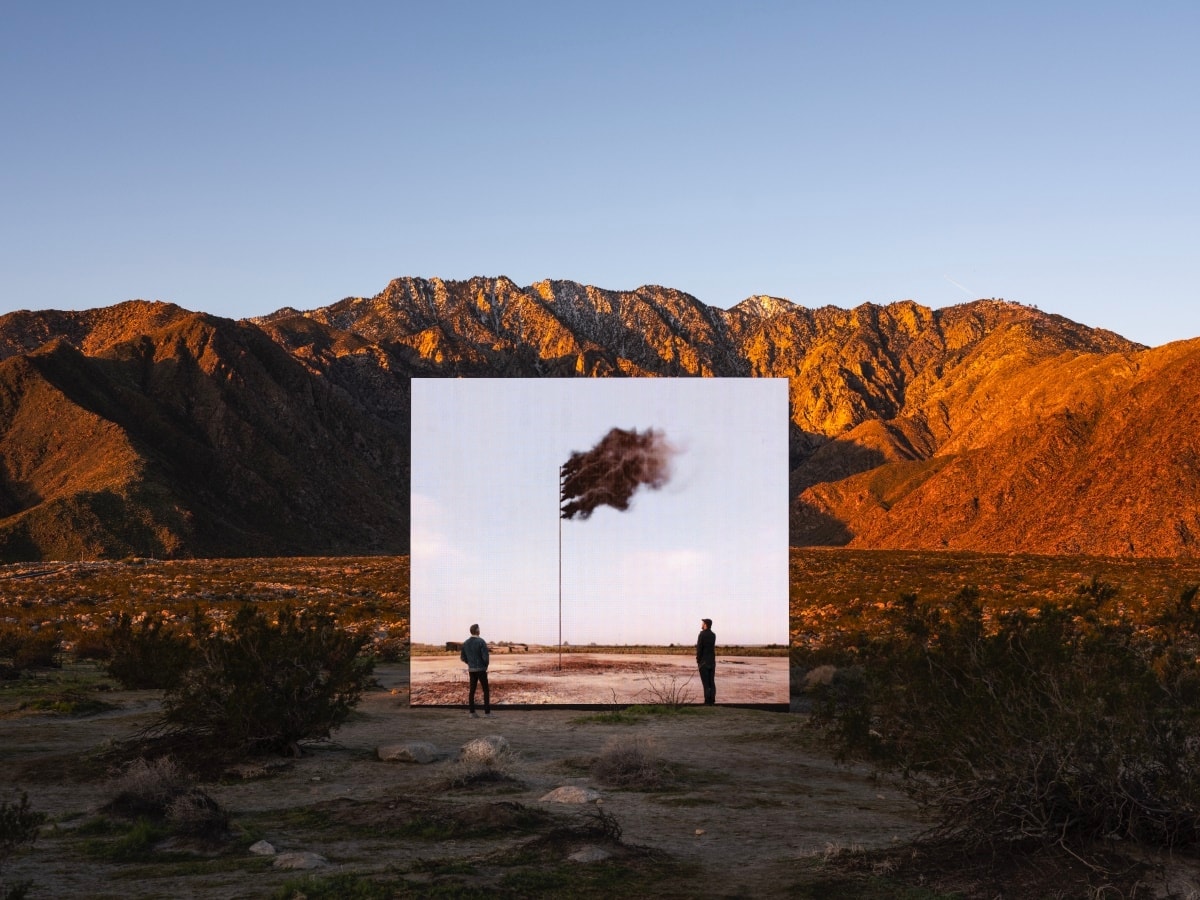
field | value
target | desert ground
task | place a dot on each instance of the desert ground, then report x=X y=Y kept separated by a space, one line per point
x=747 y=806
x=600 y=678
x=748 y=802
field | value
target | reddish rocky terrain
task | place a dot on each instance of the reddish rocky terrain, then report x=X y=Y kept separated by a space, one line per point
x=145 y=429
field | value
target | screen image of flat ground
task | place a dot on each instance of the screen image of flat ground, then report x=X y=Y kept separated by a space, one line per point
x=587 y=526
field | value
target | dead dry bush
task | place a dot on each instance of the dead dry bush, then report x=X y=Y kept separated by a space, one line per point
x=147 y=788
x=670 y=691
x=160 y=791
x=486 y=760
x=632 y=763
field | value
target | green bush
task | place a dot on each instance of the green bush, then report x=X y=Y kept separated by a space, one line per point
x=148 y=655
x=1061 y=724
x=257 y=685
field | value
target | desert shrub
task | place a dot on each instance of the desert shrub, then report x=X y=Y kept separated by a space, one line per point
x=821 y=676
x=391 y=649
x=1061 y=724
x=10 y=640
x=147 y=787
x=148 y=655
x=92 y=645
x=195 y=814
x=259 y=685
x=480 y=761
x=30 y=648
x=160 y=796
x=630 y=762
x=39 y=650
x=18 y=828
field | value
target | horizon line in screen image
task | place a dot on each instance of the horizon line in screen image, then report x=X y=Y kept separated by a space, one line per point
x=515 y=480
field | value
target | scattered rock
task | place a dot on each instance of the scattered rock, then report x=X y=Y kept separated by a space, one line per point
x=483 y=749
x=300 y=860
x=589 y=854
x=409 y=752
x=569 y=793
x=262 y=848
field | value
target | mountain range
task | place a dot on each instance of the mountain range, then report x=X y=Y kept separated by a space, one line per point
x=144 y=429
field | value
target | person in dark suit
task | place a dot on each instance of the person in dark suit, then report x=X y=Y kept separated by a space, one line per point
x=706 y=661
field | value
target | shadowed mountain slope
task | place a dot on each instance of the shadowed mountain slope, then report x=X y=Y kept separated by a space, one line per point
x=199 y=437
x=144 y=428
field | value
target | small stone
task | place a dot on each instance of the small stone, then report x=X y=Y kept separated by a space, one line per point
x=589 y=854
x=569 y=793
x=262 y=848
x=410 y=752
x=300 y=860
x=699 y=831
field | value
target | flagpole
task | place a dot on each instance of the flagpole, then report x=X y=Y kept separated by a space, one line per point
x=560 y=475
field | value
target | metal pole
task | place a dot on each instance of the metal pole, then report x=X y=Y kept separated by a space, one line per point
x=560 y=468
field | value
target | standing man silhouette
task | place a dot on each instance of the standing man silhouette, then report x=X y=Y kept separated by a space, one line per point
x=706 y=661
x=475 y=654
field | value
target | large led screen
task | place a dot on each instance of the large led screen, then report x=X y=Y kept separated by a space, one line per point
x=587 y=526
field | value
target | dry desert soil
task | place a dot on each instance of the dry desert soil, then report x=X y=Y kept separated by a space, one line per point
x=600 y=678
x=746 y=805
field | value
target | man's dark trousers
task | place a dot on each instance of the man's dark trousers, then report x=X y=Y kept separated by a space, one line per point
x=480 y=678
x=708 y=678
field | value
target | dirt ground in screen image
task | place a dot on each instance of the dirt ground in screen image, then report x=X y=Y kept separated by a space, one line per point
x=747 y=805
x=600 y=678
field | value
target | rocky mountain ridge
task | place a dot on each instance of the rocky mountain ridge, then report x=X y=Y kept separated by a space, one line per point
x=987 y=425
x=190 y=435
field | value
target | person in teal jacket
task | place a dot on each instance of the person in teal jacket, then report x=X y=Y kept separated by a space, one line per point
x=475 y=654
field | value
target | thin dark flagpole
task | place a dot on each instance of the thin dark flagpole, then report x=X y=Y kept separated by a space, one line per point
x=560 y=468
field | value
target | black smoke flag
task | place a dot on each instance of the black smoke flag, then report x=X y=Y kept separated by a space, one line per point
x=610 y=473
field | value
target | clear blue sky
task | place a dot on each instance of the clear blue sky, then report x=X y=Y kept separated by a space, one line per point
x=712 y=543
x=239 y=157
